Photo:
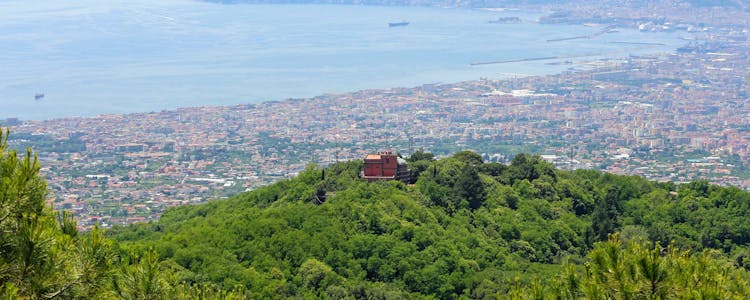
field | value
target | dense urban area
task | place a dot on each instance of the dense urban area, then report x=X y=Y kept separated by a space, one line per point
x=676 y=117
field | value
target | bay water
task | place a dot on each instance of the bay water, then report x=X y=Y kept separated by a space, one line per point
x=91 y=57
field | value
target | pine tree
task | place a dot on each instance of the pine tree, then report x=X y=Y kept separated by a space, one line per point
x=34 y=262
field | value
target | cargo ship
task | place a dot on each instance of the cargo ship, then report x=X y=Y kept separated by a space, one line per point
x=397 y=24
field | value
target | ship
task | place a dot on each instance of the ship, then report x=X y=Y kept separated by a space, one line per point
x=505 y=20
x=397 y=24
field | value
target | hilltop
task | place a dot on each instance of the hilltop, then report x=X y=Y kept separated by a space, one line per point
x=464 y=229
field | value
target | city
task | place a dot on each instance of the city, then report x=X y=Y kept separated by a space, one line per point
x=670 y=117
x=372 y=149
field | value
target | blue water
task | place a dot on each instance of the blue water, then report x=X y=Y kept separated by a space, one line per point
x=93 y=57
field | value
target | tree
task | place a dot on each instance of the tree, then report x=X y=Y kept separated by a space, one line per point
x=529 y=167
x=469 y=157
x=493 y=169
x=416 y=168
x=469 y=187
x=420 y=155
x=140 y=278
x=638 y=270
x=315 y=274
x=606 y=214
x=34 y=257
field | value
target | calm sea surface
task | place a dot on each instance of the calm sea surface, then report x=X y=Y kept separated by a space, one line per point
x=95 y=57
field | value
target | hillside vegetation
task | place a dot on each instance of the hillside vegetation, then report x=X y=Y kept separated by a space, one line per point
x=464 y=229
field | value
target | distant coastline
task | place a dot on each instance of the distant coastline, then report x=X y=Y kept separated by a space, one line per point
x=222 y=63
x=492 y=4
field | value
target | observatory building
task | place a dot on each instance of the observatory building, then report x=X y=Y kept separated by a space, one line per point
x=385 y=166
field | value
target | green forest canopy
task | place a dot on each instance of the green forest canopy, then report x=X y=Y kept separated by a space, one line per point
x=464 y=229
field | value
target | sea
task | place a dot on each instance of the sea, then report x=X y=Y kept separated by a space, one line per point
x=63 y=58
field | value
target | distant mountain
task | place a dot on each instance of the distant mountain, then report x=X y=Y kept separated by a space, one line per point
x=499 y=3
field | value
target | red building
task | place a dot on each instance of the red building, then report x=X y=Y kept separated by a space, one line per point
x=385 y=166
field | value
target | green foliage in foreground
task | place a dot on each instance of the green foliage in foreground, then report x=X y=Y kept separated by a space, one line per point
x=465 y=229
x=636 y=270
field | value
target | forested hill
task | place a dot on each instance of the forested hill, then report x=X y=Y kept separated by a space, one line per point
x=464 y=229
